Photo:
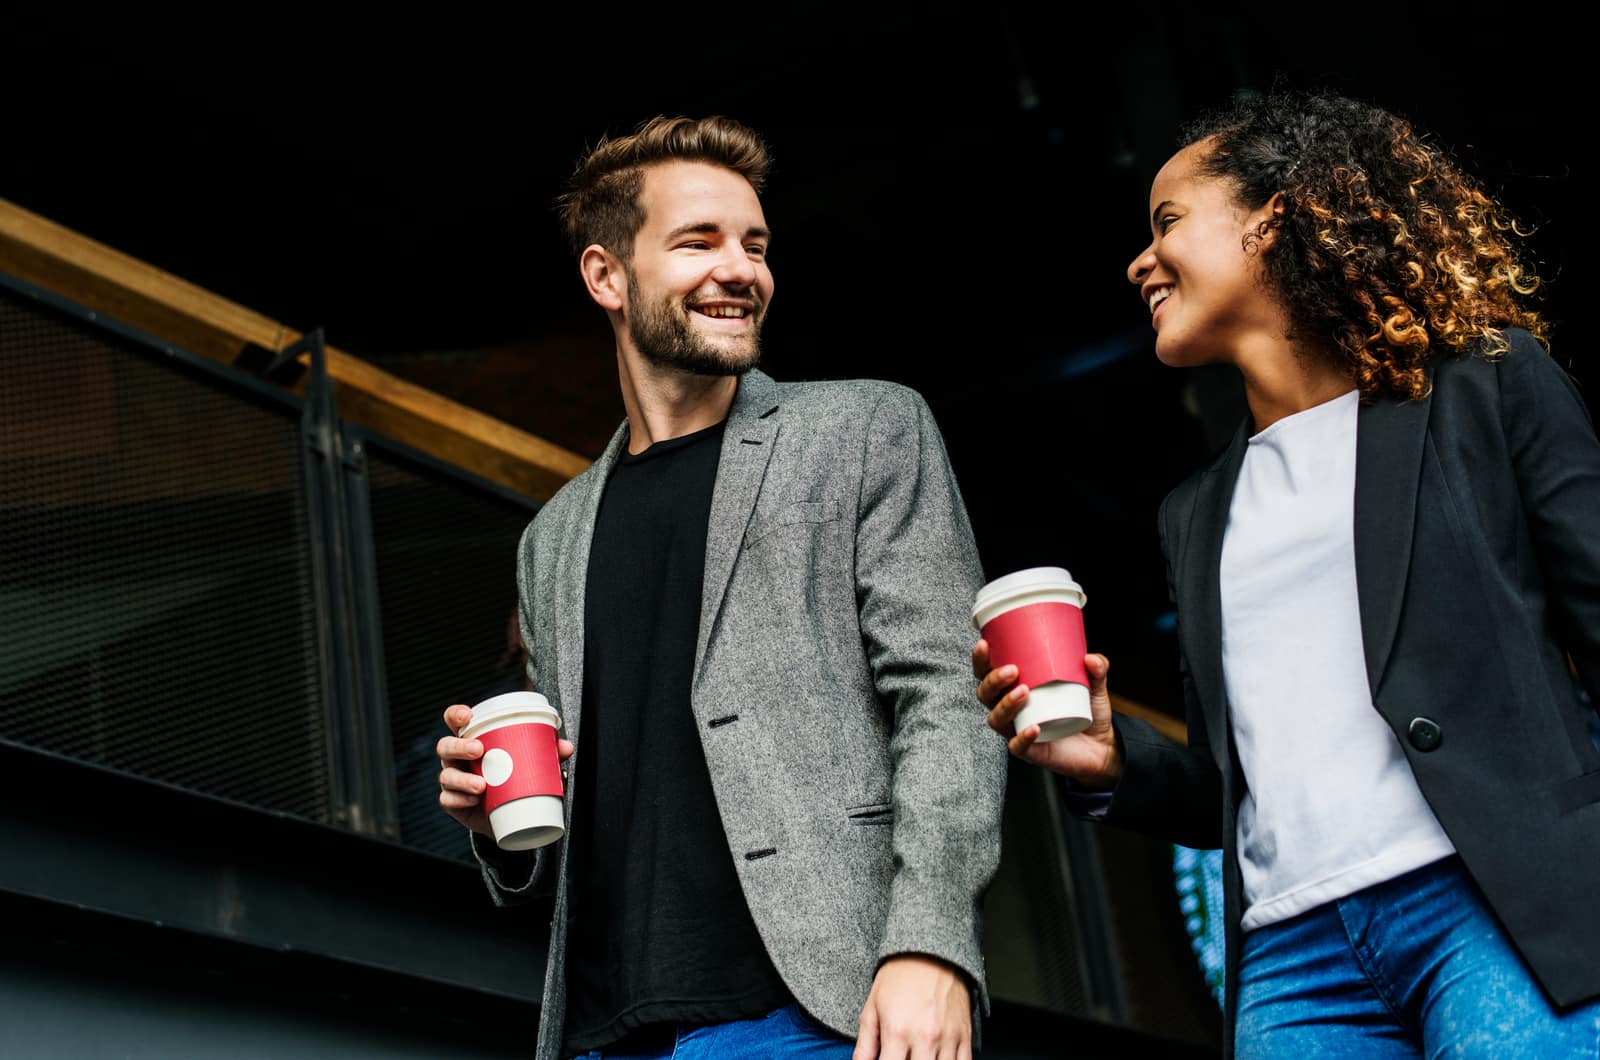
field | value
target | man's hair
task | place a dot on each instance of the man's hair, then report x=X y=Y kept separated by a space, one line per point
x=601 y=204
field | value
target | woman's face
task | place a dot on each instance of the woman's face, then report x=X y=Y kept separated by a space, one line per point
x=1202 y=283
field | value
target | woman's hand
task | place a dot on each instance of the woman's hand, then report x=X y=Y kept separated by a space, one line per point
x=1089 y=758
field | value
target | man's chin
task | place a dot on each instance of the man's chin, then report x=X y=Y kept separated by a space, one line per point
x=723 y=368
x=705 y=362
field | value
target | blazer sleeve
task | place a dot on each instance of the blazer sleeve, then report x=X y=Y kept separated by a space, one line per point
x=1168 y=789
x=916 y=573
x=1556 y=459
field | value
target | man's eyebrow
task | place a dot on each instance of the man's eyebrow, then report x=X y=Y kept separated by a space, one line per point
x=1163 y=204
x=707 y=228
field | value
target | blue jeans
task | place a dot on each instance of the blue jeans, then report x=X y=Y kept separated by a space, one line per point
x=782 y=1033
x=1417 y=966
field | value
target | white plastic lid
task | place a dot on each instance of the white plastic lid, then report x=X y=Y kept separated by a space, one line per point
x=509 y=704
x=1024 y=582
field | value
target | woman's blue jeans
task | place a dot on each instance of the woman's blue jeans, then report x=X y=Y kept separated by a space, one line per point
x=1417 y=966
x=780 y=1034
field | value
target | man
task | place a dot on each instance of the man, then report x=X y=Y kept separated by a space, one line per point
x=752 y=612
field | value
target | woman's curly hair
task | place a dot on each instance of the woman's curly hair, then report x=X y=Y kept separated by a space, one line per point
x=1385 y=246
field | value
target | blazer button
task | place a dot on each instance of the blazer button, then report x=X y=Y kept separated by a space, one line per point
x=1424 y=734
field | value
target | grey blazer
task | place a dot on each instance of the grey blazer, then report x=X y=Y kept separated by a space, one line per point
x=858 y=785
x=1477 y=547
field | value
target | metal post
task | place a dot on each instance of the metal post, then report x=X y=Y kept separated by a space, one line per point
x=359 y=758
x=372 y=751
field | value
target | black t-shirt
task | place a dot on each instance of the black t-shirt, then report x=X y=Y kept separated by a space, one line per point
x=659 y=930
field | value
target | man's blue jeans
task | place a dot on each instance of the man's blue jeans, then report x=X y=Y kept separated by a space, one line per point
x=780 y=1034
x=1417 y=966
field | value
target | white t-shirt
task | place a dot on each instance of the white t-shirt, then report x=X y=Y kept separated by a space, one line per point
x=1332 y=805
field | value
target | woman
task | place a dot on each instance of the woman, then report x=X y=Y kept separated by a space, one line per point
x=1384 y=587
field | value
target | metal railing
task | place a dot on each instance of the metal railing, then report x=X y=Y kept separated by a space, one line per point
x=213 y=583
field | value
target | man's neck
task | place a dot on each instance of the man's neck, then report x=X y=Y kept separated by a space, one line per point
x=666 y=403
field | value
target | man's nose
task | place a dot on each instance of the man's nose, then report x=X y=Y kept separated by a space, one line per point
x=735 y=268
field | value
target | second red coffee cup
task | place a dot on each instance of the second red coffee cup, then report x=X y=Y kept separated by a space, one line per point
x=522 y=768
x=1033 y=619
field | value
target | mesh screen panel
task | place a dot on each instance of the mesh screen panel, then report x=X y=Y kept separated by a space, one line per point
x=1032 y=928
x=446 y=562
x=155 y=578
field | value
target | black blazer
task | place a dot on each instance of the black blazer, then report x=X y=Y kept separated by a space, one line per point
x=1477 y=544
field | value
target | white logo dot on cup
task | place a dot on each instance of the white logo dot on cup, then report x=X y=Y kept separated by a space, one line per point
x=497 y=765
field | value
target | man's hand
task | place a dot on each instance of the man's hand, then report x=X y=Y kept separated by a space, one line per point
x=919 y=1009
x=460 y=789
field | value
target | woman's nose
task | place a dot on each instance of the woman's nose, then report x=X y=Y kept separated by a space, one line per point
x=1141 y=266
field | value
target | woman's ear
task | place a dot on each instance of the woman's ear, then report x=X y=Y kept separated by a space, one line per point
x=1261 y=225
x=604 y=276
x=1270 y=220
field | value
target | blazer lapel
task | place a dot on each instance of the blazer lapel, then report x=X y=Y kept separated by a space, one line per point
x=571 y=583
x=1200 y=568
x=747 y=444
x=1390 y=435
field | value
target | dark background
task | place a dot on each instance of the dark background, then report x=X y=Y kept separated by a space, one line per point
x=957 y=191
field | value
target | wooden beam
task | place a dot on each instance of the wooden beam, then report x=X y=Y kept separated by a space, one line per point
x=1172 y=728
x=109 y=282
x=173 y=310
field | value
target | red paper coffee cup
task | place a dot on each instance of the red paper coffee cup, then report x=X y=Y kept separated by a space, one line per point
x=1033 y=620
x=522 y=768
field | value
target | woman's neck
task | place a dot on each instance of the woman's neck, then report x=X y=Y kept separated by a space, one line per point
x=1281 y=379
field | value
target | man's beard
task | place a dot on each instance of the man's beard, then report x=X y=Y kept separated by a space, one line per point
x=663 y=336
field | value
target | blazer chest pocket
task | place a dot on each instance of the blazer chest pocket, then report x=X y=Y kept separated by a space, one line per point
x=870 y=814
x=800 y=513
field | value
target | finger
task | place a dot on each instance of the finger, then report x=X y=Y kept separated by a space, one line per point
x=453 y=779
x=455 y=749
x=462 y=804
x=867 y=1034
x=457 y=715
x=1004 y=715
x=1098 y=668
x=1022 y=741
x=565 y=749
x=995 y=683
x=454 y=797
x=980 y=658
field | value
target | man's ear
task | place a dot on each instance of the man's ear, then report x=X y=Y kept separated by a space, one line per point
x=605 y=277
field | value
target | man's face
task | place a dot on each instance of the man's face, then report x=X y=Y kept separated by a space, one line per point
x=698 y=281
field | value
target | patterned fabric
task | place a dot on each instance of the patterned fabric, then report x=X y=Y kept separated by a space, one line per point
x=858 y=784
